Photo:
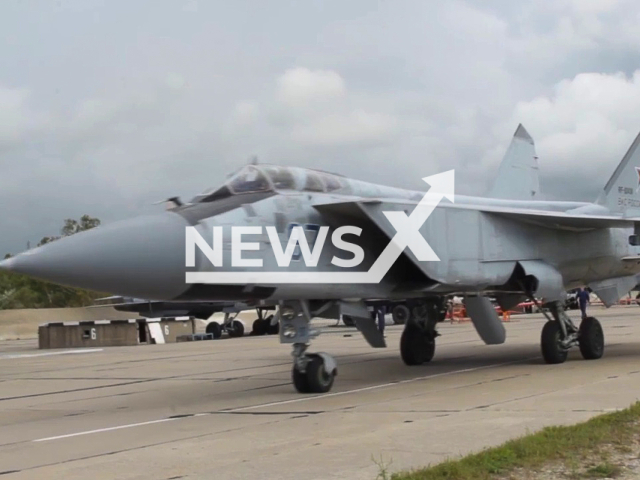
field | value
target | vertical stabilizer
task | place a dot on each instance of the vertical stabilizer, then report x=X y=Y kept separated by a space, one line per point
x=621 y=194
x=517 y=177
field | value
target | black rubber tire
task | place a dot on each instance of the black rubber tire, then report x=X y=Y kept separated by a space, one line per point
x=429 y=349
x=550 y=343
x=415 y=347
x=215 y=329
x=299 y=380
x=258 y=327
x=272 y=329
x=591 y=339
x=236 y=329
x=400 y=314
x=348 y=321
x=318 y=380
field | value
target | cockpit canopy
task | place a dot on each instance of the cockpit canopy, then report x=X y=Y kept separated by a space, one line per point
x=269 y=178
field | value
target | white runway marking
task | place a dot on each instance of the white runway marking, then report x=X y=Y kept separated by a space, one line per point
x=48 y=354
x=373 y=387
x=100 y=430
x=285 y=402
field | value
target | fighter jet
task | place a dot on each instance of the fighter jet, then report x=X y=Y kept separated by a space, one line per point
x=317 y=244
x=265 y=322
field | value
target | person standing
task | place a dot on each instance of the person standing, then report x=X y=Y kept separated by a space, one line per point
x=583 y=301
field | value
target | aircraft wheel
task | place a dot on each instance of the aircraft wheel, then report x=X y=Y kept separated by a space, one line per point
x=272 y=329
x=415 y=347
x=552 y=351
x=215 y=329
x=591 y=339
x=259 y=327
x=300 y=381
x=348 y=321
x=400 y=314
x=318 y=380
x=236 y=329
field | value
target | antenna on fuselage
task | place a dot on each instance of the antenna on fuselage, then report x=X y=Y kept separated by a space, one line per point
x=253 y=160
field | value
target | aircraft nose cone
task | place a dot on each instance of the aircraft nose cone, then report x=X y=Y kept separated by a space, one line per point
x=142 y=257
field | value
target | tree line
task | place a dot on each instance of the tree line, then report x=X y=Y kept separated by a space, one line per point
x=20 y=291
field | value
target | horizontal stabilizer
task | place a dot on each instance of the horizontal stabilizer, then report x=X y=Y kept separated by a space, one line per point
x=613 y=289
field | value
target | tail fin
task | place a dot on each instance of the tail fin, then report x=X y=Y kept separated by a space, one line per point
x=621 y=194
x=518 y=174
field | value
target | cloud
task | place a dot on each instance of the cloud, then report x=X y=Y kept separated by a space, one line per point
x=355 y=127
x=17 y=119
x=315 y=108
x=582 y=129
x=387 y=92
x=301 y=87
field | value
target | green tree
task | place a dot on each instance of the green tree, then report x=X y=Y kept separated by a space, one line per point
x=72 y=226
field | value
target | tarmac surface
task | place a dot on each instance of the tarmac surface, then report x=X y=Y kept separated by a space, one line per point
x=226 y=409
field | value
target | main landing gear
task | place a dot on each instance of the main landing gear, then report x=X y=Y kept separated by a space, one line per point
x=418 y=340
x=265 y=325
x=559 y=334
x=312 y=372
x=233 y=327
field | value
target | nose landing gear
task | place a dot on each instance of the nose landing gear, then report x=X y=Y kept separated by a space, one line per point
x=312 y=372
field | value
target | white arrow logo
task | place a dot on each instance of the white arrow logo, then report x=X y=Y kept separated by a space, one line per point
x=407 y=235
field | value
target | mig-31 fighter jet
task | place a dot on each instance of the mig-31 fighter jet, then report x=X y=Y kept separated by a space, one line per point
x=316 y=244
x=265 y=322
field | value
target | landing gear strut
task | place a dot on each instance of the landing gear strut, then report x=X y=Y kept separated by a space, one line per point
x=312 y=372
x=559 y=334
x=418 y=340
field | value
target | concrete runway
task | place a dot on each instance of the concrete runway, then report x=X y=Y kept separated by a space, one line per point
x=226 y=409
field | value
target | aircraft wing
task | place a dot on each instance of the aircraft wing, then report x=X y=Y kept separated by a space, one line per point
x=547 y=219
x=563 y=221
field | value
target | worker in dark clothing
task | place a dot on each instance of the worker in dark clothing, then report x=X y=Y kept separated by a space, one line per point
x=583 y=301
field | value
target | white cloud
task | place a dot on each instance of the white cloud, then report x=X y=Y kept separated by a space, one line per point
x=17 y=119
x=245 y=113
x=581 y=130
x=355 y=127
x=301 y=87
x=383 y=91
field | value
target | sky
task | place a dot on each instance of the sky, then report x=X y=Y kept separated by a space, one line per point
x=107 y=107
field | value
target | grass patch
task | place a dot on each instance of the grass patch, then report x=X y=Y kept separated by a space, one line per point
x=552 y=444
x=604 y=470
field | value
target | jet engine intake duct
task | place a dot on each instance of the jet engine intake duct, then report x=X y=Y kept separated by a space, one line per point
x=542 y=280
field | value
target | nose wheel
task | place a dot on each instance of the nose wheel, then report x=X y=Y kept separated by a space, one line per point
x=312 y=373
